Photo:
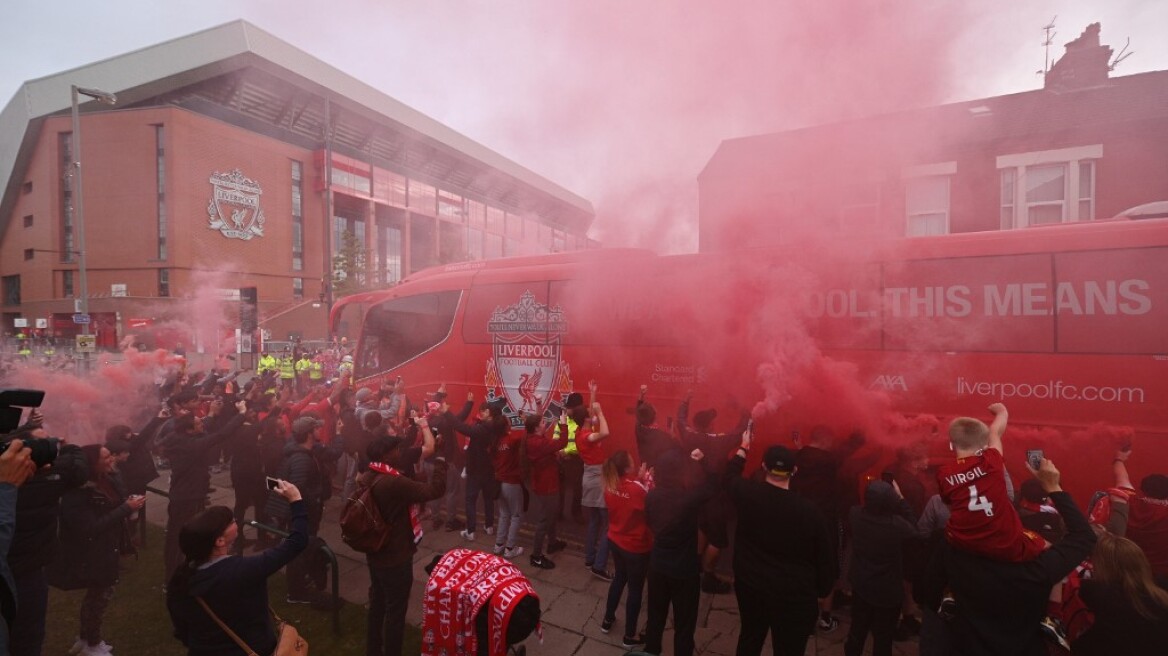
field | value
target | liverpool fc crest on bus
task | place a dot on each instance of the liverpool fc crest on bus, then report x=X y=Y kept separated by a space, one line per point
x=525 y=370
x=234 y=209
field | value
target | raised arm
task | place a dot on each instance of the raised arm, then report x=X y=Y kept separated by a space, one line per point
x=427 y=435
x=998 y=426
x=601 y=431
x=1119 y=468
x=683 y=413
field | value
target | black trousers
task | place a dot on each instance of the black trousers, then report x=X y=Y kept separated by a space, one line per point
x=571 y=484
x=389 y=599
x=681 y=593
x=28 y=627
x=789 y=622
x=250 y=492
x=881 y=622
x=178 y=512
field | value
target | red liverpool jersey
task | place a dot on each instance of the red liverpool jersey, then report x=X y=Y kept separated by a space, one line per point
x=983 y=520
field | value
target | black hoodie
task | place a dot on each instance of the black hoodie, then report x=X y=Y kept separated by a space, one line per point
x=879 y=529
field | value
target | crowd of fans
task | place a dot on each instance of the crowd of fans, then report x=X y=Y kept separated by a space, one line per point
x=952 y=555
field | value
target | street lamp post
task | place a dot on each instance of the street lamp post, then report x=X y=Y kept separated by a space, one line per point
x=78 y=217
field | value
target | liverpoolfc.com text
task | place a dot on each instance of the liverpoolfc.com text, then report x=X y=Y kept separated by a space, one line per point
x=1055 y=389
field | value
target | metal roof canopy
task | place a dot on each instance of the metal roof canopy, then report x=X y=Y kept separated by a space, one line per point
x=248 y=77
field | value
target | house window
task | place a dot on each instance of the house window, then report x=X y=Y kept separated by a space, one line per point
x=27 y=188
x=298 y=288
x=28 y=221
x=29 y=253
x=67 y=284
x=1009 y=179
x=11 y=285
x=164 y=282
x=1054 y=186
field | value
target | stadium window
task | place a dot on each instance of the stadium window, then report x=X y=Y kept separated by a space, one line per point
x=28 y=221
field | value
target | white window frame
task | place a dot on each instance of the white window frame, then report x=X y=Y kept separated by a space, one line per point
x=945 y=170
x=1070 y=158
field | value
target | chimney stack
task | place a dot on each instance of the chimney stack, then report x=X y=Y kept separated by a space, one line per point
x=1085 y=64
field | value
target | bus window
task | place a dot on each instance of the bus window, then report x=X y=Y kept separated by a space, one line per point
x=400 y=329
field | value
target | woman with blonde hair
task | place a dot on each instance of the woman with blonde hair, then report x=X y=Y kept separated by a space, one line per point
x=1131 y=609
x=629 y=540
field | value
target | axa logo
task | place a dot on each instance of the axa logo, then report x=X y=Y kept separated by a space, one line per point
x=889 y=383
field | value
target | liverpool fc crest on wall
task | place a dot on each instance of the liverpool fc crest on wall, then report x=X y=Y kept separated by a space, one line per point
x=525 y=371
x=234 y=209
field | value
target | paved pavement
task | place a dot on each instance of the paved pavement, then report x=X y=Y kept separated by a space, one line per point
x=571 y=597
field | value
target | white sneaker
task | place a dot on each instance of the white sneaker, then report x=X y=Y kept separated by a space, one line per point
x=490 y=530
x=513 y=552
x=78 y=645
x=498 y=549
x=100 y=649
x=468 y=535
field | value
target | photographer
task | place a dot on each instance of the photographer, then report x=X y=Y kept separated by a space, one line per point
x=34 y=544
x=16 y=466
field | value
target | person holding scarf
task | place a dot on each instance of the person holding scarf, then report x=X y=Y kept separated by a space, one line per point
x=399 y=498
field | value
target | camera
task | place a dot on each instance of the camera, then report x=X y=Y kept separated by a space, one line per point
x=12 y=402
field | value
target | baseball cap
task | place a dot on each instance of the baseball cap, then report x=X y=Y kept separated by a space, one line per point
x=347 y=358
x=306 y=424
x=778 y=459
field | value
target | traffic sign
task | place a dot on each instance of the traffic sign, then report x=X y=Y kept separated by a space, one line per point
x=81 y=318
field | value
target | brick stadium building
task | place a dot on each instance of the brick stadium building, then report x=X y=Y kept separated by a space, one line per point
x=230 y=150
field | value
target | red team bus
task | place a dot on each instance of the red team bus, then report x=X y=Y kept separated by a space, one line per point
x=1068 y=325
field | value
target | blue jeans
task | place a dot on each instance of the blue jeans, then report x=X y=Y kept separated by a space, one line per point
x=595 y=540
x=631 y=569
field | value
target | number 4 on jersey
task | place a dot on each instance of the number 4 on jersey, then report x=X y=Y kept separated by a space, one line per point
x=981 y=503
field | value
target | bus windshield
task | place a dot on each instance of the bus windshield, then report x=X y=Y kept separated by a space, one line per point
x=400 y=329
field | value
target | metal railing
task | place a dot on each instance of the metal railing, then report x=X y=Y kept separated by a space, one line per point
x=332 y=558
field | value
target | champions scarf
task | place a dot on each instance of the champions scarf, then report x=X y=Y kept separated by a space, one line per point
x=415 y=509
x=460 y=585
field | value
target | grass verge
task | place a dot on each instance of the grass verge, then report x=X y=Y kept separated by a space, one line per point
x=137 y=623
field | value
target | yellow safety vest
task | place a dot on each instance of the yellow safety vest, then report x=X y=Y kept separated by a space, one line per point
x=303 y=365
x=287 y=368
x=267 y=363
x=571 y=449
x=316 y=371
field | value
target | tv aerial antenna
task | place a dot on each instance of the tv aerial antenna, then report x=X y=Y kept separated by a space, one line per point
x=1123 y=54
x=1046 y=43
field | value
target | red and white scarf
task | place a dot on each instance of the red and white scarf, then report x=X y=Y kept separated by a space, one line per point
x=461 y=583
x=415 y=508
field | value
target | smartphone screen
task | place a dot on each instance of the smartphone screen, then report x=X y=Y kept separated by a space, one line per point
x=272 y=482
x=1034 y=458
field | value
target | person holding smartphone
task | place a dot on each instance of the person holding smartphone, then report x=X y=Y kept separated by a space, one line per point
x=234 y=588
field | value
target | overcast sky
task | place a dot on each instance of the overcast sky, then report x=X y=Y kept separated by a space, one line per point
x=622 y=101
